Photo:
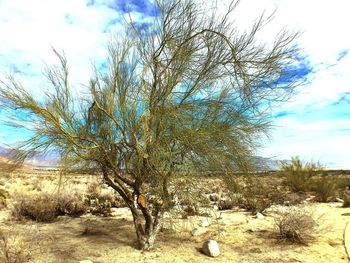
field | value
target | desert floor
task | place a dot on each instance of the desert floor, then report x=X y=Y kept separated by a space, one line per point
x=242 y=236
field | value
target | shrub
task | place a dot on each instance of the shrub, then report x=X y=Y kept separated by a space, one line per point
x=189 y=197
x=346 y=199
x=102 y=208
x=256 y=204
x=13 y=249
x=298 y=175
x=118 y=202
x=3 y=198
x=325 y=188
x=45 y=207
x=94 y=190
x=295 y=225
x=226 y=204
x=70 y=204
x=100 y=203
x=39 y=207
x=255 y=195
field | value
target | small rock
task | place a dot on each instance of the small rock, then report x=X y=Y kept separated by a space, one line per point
x=86 y=261
x=259 y=215
x=211 y=248
x=206 y=222
x=339 y=200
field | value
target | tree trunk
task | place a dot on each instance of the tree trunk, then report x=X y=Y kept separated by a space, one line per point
x=147 y=231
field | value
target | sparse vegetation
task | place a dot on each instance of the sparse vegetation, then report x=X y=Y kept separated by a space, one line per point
x=252 y=194
x=226 y=203
x=40 y=207
x=188 y=197
x=346 y=198
x=231 y=228
x=256 y=195
x=13 y=248
x=298 y=175
x=70 y=204
x=325 y=187
x=295 y=224
x=45 y=207
x=3 y=198
x=99 y=202
x=100 y=207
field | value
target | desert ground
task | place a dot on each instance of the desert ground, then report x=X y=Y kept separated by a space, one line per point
x=242 y=235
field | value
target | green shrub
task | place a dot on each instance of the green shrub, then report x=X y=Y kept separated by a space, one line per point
x=101 y=207
x=295 y=224
x=188 y=197
x=256 y=204
x=255 y=194
x=298 y=174
x=325 y=188
x=346 y=199
x=100 y=203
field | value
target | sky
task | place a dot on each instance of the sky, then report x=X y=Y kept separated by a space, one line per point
x=314 y=124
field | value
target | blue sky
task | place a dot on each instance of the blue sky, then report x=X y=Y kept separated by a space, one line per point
x=314 y=124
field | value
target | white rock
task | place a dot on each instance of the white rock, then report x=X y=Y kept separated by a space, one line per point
x=339 y=200
x=86 y=261
x=206 y=222
x=211 y=248
x=259 y=215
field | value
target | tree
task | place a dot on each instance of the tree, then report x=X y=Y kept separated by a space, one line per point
x=187 y=92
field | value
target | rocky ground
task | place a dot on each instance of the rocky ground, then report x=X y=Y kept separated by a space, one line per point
x=242 y=237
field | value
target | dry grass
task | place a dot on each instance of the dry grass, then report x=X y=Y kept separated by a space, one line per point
x=40 y=207
x=45 y=206
x=296 y=225
x=13 y=248
x=70 y=204
x=242 y=237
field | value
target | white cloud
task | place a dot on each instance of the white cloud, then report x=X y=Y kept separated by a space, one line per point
x=29 y=29
x=317 y=141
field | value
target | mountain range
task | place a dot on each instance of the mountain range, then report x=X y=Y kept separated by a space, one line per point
x=49 y=159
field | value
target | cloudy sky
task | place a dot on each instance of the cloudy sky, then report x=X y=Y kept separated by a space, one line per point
x=314 y=124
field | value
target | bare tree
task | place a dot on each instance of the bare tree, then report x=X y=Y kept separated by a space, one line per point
x=187 y=92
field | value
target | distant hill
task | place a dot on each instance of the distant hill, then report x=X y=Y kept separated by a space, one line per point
x=266 y=164
x=44 y=160
x=49 y=159
x=5 y=163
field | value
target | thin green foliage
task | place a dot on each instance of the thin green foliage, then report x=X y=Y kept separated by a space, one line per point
x=189 y=92
x=299 y=175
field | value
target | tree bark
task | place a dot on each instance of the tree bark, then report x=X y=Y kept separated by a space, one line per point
x=147 y=230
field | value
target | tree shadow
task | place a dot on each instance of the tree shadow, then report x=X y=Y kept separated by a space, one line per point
x=117 y=232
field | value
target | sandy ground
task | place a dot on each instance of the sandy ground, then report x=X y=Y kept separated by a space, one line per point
x=241 y=236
